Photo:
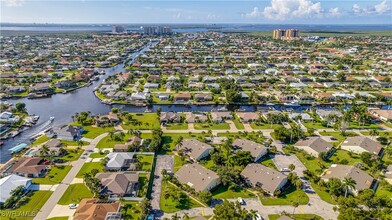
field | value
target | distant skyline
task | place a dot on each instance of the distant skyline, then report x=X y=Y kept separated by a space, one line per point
x=203 y=11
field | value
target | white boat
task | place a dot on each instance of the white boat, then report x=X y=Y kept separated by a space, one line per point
x=51 y=118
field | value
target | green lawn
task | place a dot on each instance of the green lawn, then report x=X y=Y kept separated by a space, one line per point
x=383 y=191
x=34 y=204
x=338 y=135
x=132 y=210
x=178 y=163
x=93 y=132
x=146 y=160
x=297 y=216
x=55 y=175
x=40 y=140
x=171 y=138
x=268 y=162
x=98 y=155
x=223 y=192
x=73 y=143
x=290 y=195
x=141 y=121
x=211 y=126
x=314 y=125
x=260 y=125
x=72 y=155
x=108 y=142
x=354 y=125
x=238 y=124
x=324 y=195
x=177 y=126
x=87 y=167
x=169 y=205
x=75 y=193
x=143 y=184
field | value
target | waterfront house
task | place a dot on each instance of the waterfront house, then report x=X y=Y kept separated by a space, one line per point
x=31 y=167
x=170 y=117
x=220 y=117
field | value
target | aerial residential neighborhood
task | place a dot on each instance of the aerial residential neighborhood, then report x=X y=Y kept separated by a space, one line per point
x=178 y=110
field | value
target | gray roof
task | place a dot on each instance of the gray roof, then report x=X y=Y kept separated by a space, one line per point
x=246 y=145
x=195 y=148
x=117 y=183
x=196 y=176
x=117 y=160
x=265 y=177
x=52 y=143
x=365 y=143
x=362 y=179
x=316 y=143
x=9 y=183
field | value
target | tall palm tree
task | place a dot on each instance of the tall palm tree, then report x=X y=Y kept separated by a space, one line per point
x=179 y=142
x=44 y=151
x=348 y=183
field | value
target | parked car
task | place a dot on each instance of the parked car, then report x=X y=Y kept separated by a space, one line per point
x=73 y=206
x=241 y=201
x=258 y=217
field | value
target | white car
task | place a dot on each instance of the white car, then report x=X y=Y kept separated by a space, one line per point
x=258 y=217
x=73 y=206
x=241 y=201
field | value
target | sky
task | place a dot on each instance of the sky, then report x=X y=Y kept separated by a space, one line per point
x=201 y=11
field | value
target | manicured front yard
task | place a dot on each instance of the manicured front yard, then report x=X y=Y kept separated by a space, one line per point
x=355 y=125
x=93 y=132
x=314 y=125
x=223 y=192
x=177 y=126
x=260 y=125
x=109 y=142
x=324 y=195
x=297 y=217
x=211 y=126
x=75 y=193
x=35 y=203
x=72 y=155
x=87 y=167
x=55 y=175
x=338 y=135
x=287 y=198
x=238 y=124
x=141 y=121
x=98 y=155
x=170 y=205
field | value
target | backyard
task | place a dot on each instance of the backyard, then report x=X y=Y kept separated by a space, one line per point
x=141 y=121
x=171 y=205
x=55 y=175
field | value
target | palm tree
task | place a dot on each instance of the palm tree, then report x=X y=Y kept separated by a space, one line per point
x=179 y=142
x=348 y=183
x=44 y=151
x=292 y=167
x=111 y=134
x=374 y=132
x=295 y=205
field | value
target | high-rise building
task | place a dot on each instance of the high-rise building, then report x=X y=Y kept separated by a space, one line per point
x=279 y=33
x=118 y=29
x=292 y=33
x=285 y=34
x=157 y=30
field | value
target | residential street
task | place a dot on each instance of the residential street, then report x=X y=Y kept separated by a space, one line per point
x=62 y=187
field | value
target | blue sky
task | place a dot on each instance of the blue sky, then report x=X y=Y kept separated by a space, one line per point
x=202 y=11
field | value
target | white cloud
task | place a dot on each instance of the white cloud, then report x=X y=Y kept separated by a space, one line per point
x=382 y=7
x=254 y=13
x=286 y=9
x=334 y=12
x=379 y=9
x=14 y=3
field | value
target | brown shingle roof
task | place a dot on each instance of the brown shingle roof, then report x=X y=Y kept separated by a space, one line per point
x=90 y=209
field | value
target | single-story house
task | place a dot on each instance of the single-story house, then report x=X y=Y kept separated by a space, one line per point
x=314 y=145
x=268 y=179
x=11 y=182
x=323 y=114
x=382 y=114
x=28 y=167
x=257 y=150
x=170 y=117
x=67 y=132
x=248 y=116
x=197 y=177
x=182 y=97
x=196 y=149
x=91 y=209
x=360 y=144
x=124 y=147
x=195 y=117
x=304 y=116
x=361 y=178
x=118 y=184
x=220 y=116
x=119 y=160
